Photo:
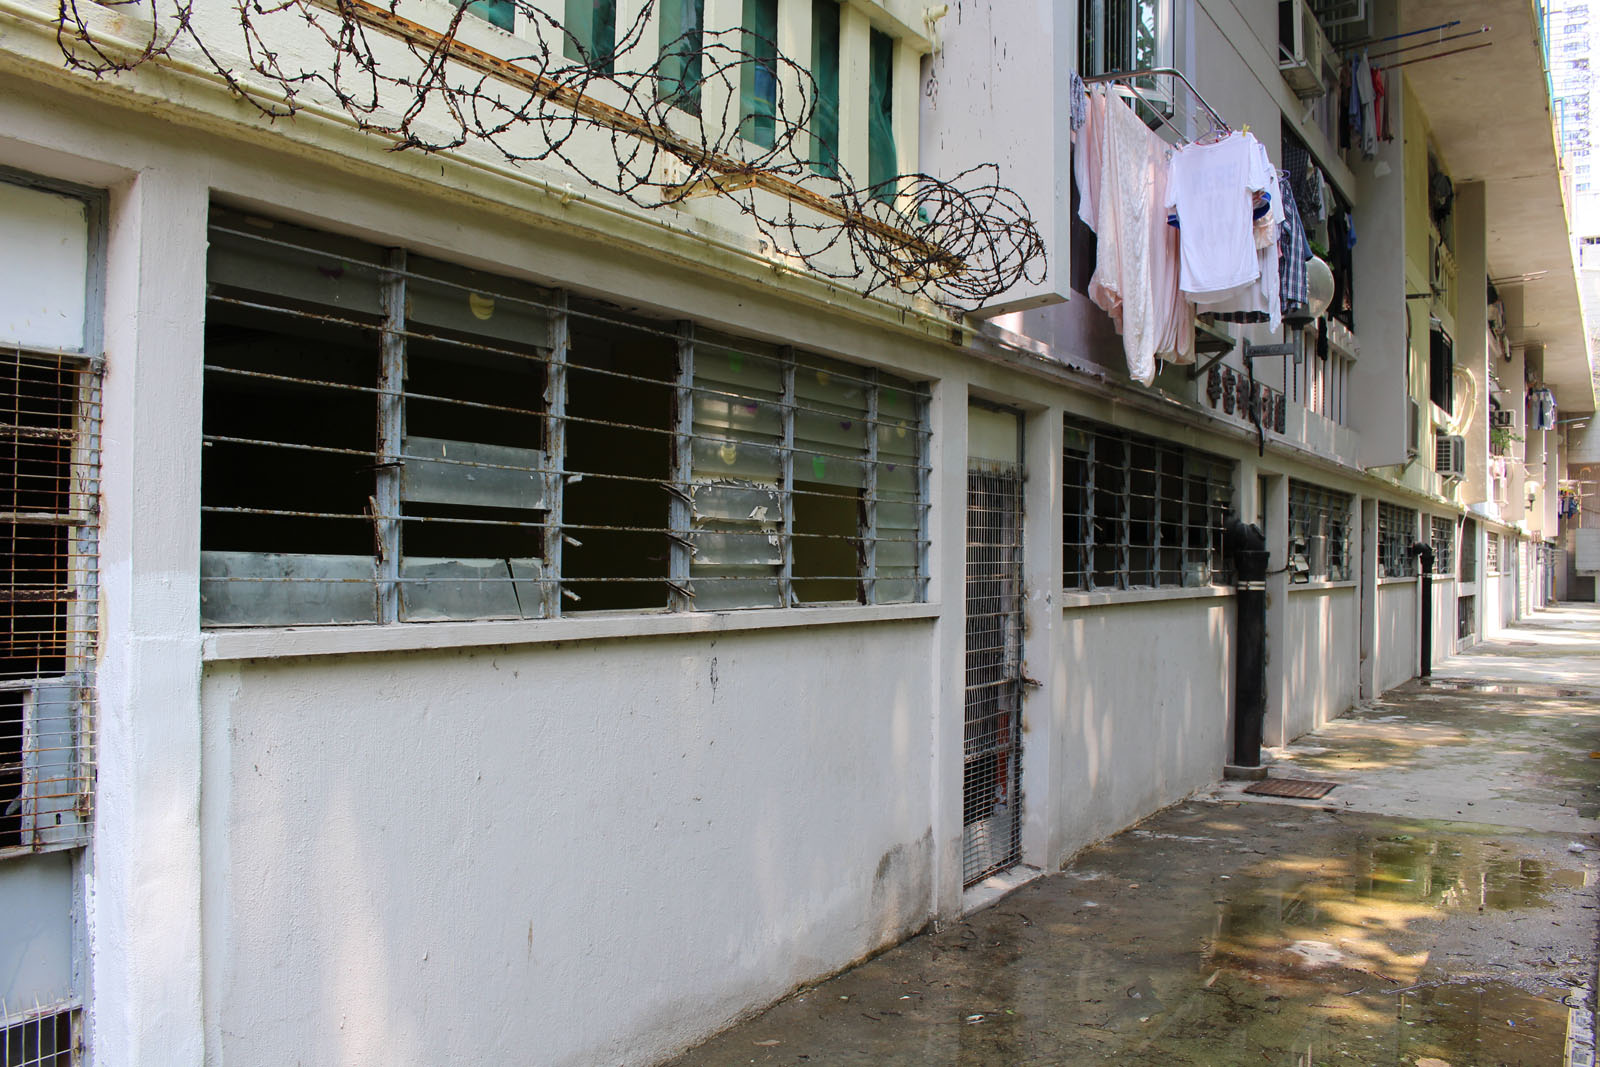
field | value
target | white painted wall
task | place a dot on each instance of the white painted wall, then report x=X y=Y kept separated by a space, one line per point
x=1146 y=719
x=1397 y=633
x=434 y=858
x=1320 y=677
x=1444 y=619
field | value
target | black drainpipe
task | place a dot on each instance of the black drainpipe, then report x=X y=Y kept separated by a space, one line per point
x=1424 y=554
x=1247 y=546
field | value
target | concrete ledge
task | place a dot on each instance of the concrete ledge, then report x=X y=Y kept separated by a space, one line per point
x=1234 y=772
x=422 y=636
x=1074 y=601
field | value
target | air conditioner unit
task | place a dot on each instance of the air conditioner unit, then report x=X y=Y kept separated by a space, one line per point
x=1450 y=456
x=1303 y=49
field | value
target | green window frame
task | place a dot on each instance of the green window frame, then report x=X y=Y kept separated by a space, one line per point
x=591 y=33
x=825 y=75
x=501 y=13
x=883 y=162
x=682 y=38
x=758 y=75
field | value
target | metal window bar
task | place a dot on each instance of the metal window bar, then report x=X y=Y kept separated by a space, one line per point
x=1397 y=530
x=41 y=1037
x=991 y=797
x=1491 y=554
x=491 y=449
x=1139 y=512
x=1319 y=533
x=1443 y=539
x=49 y=579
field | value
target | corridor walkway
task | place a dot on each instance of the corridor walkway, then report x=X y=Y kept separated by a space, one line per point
x=1437 y=907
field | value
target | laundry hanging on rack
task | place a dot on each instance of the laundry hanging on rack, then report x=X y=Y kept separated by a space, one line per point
x=1212 y=192
x=1123 y=173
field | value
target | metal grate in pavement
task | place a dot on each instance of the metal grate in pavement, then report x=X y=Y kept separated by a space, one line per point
x=1300 y=788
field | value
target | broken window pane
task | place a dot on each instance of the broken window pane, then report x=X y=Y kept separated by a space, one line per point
x=736 y=476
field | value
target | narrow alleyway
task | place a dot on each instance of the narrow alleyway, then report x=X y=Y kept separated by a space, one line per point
x=1437 y=907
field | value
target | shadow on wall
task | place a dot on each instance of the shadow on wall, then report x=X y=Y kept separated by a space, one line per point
x=425 y=844
x=1149 y=690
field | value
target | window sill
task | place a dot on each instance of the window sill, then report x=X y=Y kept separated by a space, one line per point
x=1400 y=579
x=1322 y=585
x=222 y=645
x=1075 y=601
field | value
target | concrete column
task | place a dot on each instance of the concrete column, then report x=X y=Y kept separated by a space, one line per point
x=719 y=95
x=1276 y=730
x=1472 y=335
x=1044 y=726
x=906 y=114
x=854 y=78
x=947 y=568
x=794 y=44
x=145 y=921
x=1367 y=601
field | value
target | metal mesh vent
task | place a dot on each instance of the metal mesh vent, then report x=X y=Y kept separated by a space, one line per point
x=49 y=475
x=991 y=798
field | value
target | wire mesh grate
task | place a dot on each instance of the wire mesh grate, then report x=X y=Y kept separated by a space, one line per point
x=991 y=798
x=49 y=474
x=43 y=1039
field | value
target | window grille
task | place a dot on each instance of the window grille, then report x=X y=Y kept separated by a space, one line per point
x=1491 y=554
x=466 y=446
x=1469 y=550
x=1139 y=512
x=1397 y=531
x=49 y=516
x=1444 y=546
x=1319 y=533
x=43 y=1039
x=1118 y=35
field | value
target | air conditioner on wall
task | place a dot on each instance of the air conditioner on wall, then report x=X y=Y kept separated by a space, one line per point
x=1450 y=456
x=1303 y=49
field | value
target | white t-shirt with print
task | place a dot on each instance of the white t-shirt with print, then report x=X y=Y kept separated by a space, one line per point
x=1211 y=188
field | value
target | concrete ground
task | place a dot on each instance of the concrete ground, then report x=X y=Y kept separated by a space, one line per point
x=1436 y=909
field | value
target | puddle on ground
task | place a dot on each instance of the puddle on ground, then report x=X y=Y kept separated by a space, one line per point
x=1510 y=688
x=1224 y=939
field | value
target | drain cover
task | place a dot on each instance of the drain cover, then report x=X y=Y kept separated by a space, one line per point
x=1303 y=788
